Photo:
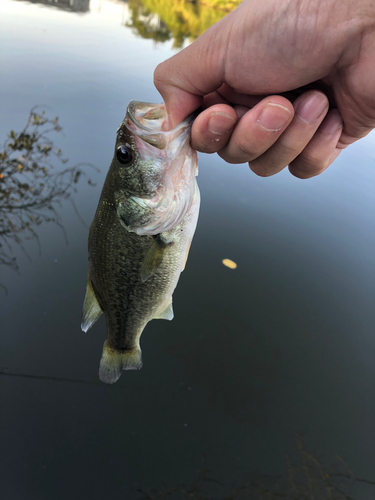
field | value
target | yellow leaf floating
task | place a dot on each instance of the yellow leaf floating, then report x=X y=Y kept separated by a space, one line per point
x=229 y=263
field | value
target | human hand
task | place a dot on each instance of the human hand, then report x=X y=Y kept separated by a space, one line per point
x=256 y=74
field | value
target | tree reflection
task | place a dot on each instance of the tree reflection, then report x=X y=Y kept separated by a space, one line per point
x=179 y=20
x=306 y=479
x=67 y=5
x=30 y=191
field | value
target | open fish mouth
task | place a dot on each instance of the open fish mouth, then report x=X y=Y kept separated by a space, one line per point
x=168 y=153
x=149 y=116
x=151 y=123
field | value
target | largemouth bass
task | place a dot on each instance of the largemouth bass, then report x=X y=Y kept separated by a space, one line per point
x=141 y=233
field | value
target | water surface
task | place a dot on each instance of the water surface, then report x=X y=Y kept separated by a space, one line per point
x=282 y=345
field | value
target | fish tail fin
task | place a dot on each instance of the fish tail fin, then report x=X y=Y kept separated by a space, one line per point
x=113 y=362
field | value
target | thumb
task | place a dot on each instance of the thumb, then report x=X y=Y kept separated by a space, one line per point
x=184 y=79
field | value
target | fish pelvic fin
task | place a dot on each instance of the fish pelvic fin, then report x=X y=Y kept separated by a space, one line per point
x=91 y=308
x=113 y=362
x=166 y=313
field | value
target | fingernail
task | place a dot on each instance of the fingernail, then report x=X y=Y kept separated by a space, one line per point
x=331 y=122
x=274 y=117
x=220 y=123
x=311 y=106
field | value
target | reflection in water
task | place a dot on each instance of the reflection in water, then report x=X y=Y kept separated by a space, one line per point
x=306 y=478
x=70 y=5
x=29 y=190
x=179 y=20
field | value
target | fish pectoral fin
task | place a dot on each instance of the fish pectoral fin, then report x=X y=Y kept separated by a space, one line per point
x=166 y=313
x=113 y=362
x=153 y=258
x=91 y=308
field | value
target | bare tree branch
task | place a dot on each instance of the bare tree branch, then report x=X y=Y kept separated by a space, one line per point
x=30 y=190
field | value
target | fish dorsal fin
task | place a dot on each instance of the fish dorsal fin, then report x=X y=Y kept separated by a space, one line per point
x=91 y=307
x=153 y=258
x=166 y=313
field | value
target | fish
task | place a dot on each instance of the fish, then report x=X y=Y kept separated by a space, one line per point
x=141 y=234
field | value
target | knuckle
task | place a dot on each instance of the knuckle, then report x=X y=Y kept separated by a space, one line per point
x=312 y=163
x=300 y=174
x=287 y=150
x=162 y=76
x=303 y=174
x=207 y=147
x=261 y=170
x=227 y=157
x=314 y=159
x=235 y=153
x=245 y=150
x=206 y=144
x=158 y=73
x=305 y=168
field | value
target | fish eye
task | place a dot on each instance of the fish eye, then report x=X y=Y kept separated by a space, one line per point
x=124 y=155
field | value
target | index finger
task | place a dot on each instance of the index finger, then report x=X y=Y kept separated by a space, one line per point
x=185 y=78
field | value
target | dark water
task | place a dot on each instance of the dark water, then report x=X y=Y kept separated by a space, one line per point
x=282 y=346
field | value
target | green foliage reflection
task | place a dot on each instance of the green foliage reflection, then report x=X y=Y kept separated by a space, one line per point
x=179 y=20
x=30 y=190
